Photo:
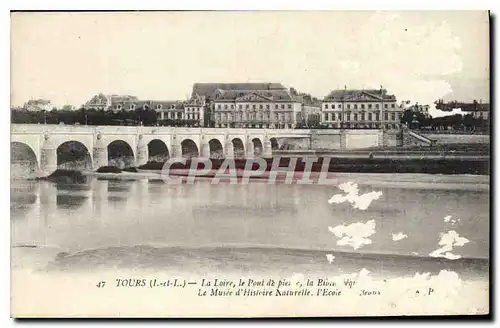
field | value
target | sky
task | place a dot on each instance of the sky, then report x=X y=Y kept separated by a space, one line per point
x=418 y=56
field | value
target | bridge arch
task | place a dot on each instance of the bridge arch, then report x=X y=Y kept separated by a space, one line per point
x=238 y=148
x=158 y=151
x=216 y=149
x=120 y=154
x=257 y=147
x=189 y=148
x=23 y=159
x=274 y=144
x=73 y=154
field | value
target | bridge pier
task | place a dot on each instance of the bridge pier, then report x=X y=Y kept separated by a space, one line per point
x=205 y=150
x=229 y=150
x=267 y=149
x=142 y=155
x=48 y=158
x=249 y=149
x=100 y=157
x=176 y=149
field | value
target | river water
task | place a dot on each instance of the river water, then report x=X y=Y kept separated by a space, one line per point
x=203 y=227
x=66 y=238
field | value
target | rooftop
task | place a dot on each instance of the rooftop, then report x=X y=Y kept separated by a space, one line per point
x=359 y=95
x=208 y=89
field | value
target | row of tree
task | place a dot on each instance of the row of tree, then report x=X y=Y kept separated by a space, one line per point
x=149 y=117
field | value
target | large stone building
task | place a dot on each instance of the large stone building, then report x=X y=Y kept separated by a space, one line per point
x=375 y=109
x=191 y=112
x=248 y=105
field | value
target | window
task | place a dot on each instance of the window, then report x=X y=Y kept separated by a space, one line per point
x=362 y=106
x=232 y=106
x=339 y=115
x=348 y=116
x=393 y=116
x=362 y=116
x=282 y=106
x=385 y=105
x=261 y=107
x=369 y=116
x=376 y=106
x=399 y=116
x=369 y=106
x=393 y=106
x=240 y=106
x=276 y=106
x=332 y=117
x=348 y=106
x=355 y=116
x=355 y=106
x=289 y=106
x=325 y=116
x=247 y=106
x=225 y=106
x=386 y=116
x=377 y=116
x=326 y=106
x=218 y=106
x=267 y=106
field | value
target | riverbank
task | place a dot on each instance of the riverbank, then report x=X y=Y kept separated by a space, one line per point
x=361 y=164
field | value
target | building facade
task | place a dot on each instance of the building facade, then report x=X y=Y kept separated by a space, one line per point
x=358 y=109
x=478 y=110
x=190 y=112
x=247 y=105
x=311 y=110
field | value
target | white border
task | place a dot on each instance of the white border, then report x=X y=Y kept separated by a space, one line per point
x=180 y=5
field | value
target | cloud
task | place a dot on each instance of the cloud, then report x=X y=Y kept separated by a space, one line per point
x=448 y=241
x=411 y=60
x=361 y=202
x=354 y=235
x=399 y=236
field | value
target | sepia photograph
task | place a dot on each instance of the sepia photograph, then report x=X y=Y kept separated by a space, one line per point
x=250 y=164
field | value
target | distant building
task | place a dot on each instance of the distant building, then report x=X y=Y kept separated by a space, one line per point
x=111 y=102
x=167 y=110
x=424 y=109
x=476 y=109
x=481 y=111
x=248 y=105
x=38 y=105
x=311 y=109
x=371 y=108
x=171 y=110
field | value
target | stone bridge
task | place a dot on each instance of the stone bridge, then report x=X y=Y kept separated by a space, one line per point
x=45 y=143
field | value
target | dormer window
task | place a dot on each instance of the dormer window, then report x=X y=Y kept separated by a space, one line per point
x=158 y=106
x=119 y=107
x=132 y=106
x=146 y=107
x=172 y=107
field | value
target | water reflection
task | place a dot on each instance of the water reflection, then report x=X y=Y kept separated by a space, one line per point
x=109 y=212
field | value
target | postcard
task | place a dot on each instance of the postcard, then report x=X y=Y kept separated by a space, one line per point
x=250 y=164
